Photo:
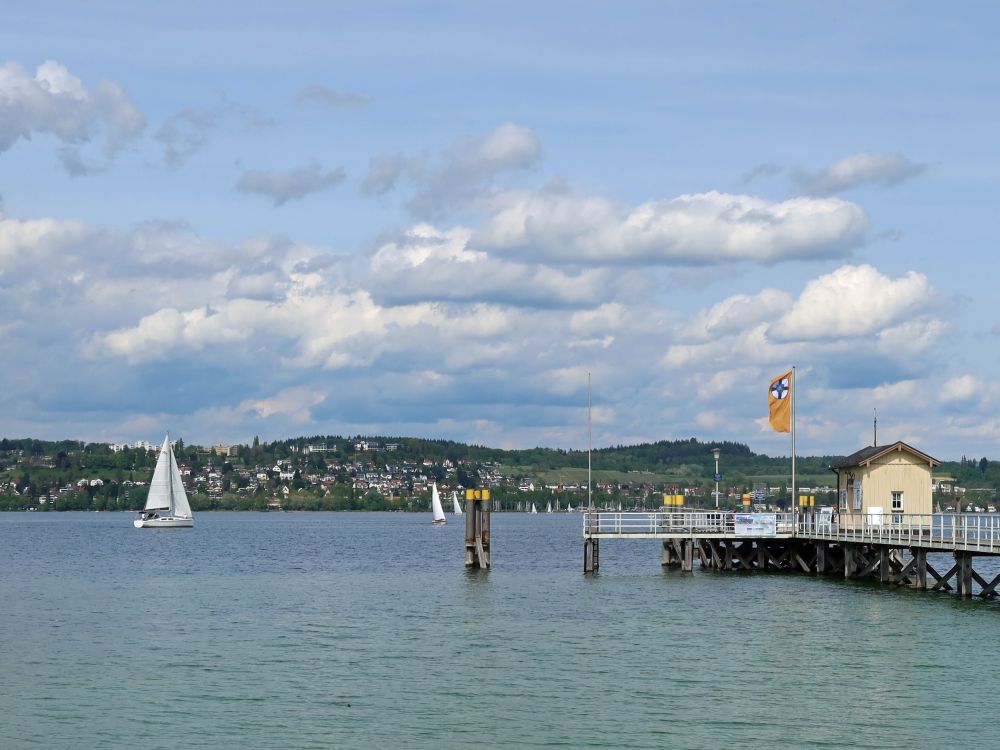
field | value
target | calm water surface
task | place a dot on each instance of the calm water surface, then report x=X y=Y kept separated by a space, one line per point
x=301 y=630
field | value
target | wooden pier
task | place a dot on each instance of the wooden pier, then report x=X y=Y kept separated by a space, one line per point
x=889 y=549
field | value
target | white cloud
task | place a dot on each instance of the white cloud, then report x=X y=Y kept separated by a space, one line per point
x=295 y=403
x=702 y=229
x=462 y=170
x=55 y=102
x=294 y=184
x=738 y=313
x=962 y=388
x=859 y=169
x=425 y=263
x=853 y=301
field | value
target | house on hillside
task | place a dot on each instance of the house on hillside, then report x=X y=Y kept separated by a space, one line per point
x=884 y=480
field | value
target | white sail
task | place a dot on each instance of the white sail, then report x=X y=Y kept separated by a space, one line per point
x=548 y=507
x=436 y=505
x=533 y=508
x=569 y=508
x=179 y=505
x=159 y=486
x=454 y=504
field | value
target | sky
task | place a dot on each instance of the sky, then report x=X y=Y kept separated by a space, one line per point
x=436 y=219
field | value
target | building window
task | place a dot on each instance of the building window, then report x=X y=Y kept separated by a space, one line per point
x=897 y=501
x=857 y=496
x=843 y=499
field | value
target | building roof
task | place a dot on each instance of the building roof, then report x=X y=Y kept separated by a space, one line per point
x=869 y=454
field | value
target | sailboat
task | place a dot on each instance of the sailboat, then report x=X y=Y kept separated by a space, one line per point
x=439 y=519
x=548 y=507
x=456 y=508
x=167 y=504
x=569 y=508
x=533 y=508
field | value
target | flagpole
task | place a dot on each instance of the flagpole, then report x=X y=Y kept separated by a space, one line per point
x=795 y=493
x=590 y=447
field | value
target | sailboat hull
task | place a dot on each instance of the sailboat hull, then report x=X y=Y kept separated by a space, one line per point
x=168 y=522
x=439 y=523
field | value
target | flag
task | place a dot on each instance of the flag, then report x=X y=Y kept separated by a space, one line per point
x=780 y=399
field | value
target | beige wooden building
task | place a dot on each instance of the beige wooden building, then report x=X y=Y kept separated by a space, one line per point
x=885 y=481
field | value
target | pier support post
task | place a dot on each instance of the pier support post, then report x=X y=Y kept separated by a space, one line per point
x=477 y=529
x=728 y=563
x=921 y=557
x=591 y=554
x=964 y=573
x=687 y=555
x=820 y=558
x=883 y=565
x=850 y=560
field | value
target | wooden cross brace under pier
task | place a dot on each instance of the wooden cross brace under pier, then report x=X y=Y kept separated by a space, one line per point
x=886 y=564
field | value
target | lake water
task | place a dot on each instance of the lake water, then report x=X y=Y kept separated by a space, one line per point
x=313 y=630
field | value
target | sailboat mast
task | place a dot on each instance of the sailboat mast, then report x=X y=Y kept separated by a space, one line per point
x=170 y=474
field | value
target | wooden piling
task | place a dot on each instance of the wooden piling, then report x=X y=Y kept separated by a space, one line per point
x=477 y=529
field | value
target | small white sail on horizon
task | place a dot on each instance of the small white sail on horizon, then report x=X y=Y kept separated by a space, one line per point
x=533 y=508
x=439 y=519
x=548 y=507
x=166 y=504
x=456 y=508
x=569 y=508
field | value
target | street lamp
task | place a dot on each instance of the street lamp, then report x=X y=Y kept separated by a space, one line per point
x=718 y=476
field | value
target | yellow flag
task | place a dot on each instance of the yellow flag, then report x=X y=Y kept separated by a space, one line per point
x=780 y=399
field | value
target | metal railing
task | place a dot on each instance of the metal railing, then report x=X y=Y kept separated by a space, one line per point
x=965 y=531
x=686 y=523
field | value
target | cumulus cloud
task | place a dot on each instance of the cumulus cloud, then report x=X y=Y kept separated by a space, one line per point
x=330 y=97
x=188 y=131
x=294 y=184
x=962 y=388
x=854 y=301
x=855 y=326
x=425 y=263
x=294 y=403
x=55 y=102
x=460 y=172
x=856 y=170
x=701 y=229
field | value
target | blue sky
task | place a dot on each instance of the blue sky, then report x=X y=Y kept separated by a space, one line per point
x=436 y=219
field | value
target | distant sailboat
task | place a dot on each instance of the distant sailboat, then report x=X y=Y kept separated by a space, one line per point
x=533 y=508
x=166 y=504
x=439 y=519
x=569 y=507
x=548 y=507
x=454 y=504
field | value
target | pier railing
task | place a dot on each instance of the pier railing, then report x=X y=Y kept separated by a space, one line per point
x=960 y=531
x=685 y=523
x=965 y=531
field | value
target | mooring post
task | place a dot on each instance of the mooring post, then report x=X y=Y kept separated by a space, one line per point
x=477 y=529
x=687 y=555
